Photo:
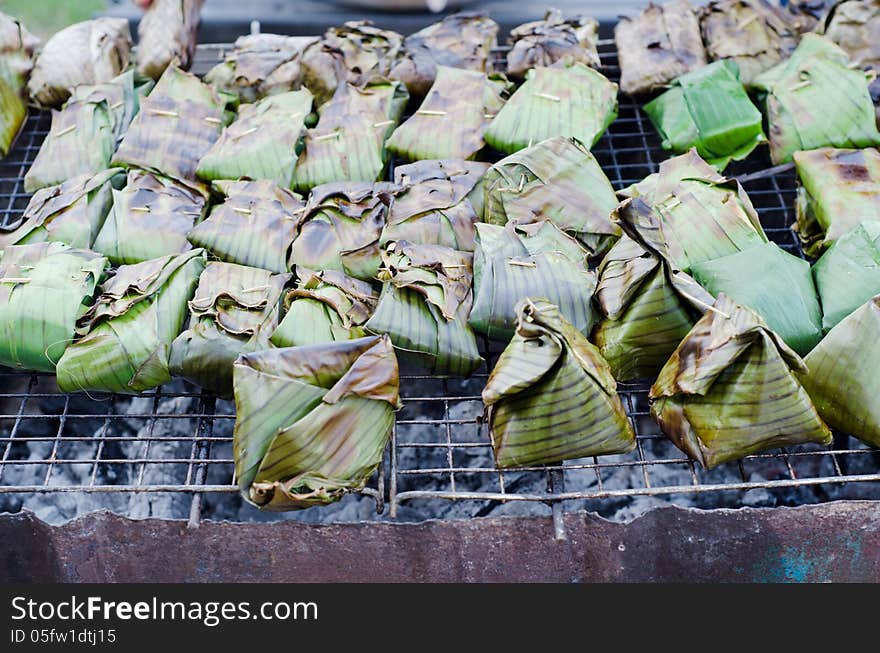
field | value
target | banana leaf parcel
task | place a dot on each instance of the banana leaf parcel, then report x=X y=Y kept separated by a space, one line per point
x=816 y=99
x=261 y=143
x=710 y=110
x=452 y=119
x=325 y=307
x=730 y=390
x=13 y=110
x=848 y=274
x=127 y=335
x=439 y=203
x=839 y=190
x=44 y=289
x=71 y=213
x=544 y=42
x=234 y=311
x=534 y=260
x=551 y=396
x=842 y=374
x=91 y=52
x=776 y=285
x=659 y=45
x=563 y=100
x=461 y=40
x=348 y=143
x=255 y=226
x=15 y=37
x=557 y=180
x=855 y=27
x=312 y=422
x=151 y=217
x=342 y=229
x=167 y=32
x=809 y=15
x=424 y=306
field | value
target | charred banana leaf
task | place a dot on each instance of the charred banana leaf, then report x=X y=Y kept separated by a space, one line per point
x=551 y=396
x=167 y=32
x=730 y=390
x=855 y=27
x=544 y=42
x=809 y=15
x=312 y=422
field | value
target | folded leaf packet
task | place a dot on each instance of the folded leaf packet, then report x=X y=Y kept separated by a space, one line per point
x=555 y=38
x=853 y=26
x=166 y=33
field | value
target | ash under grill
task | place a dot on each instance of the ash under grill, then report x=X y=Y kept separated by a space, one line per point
x=168 y=453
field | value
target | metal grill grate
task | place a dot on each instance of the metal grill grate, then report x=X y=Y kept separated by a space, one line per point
x=176 y=443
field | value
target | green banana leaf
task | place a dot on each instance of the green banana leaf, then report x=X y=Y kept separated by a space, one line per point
x=534 y=260
x=452 y=119
x=658 y=45
x=127 y=335
x=13 y=111
x=848 y=274
x=234 y=311
x=839 y=190
x=167 y=34
x=312 y=422
x=150 y=218
x=348 y=143
x=425 y=301
x=563 y=100
x=71 y=213
x=439 y=203
x=710 y=110
x=325 y=307
x=842 y=374
x=551 y=396
x=44 y=289
x=557 y=180
x=545 y=42
x=853 y=26
x=463 y=40
x=254 y=226
x=730 y=390
x=342 y=227
x=816 y=99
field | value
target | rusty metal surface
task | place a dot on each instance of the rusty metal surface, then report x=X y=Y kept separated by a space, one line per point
x=838 y=541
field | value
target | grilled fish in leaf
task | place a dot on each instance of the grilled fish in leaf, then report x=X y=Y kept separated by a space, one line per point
x=127 y=334
x=534 y=260
x=551 y=396
x=167 y=32
x=44 y=289
x=13 y=111
x=424 y=307
x=730 y=390
x=544 y=42
x=312 y=422
x=855 y=27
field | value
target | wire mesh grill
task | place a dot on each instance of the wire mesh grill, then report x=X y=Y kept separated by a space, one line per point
x=177 y=442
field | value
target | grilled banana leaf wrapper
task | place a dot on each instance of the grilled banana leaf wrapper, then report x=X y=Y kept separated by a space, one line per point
x=461 y=40
x=15 y=37
x=254 y=226
x=809 y=15
x=234 y=311
x=841 y=374
x=774 y=284
x=261 y=143
x=91 y=52
x=557 y=180
x=167 y=33
x=451 y=121
x=839 y=190
x=551 y=396
x=708 y=109
x=127 y=335
x=13 y=110
x=659 y=45
x=44 y=289
x=796 y=95
x=730 y=390
x=534 y=260
x=348 y=143
x=150 y=218
x=312 y=422
x=555 y=38
x=753 y=33
x=439 y=203
x=855 y=27
x=325 y=307
x=342 y=228
x=573 y=101
x=71 y=213
x=424 y=306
